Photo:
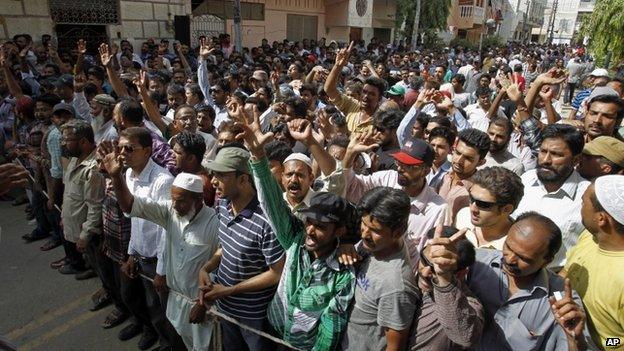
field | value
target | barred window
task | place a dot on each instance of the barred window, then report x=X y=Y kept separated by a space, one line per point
x=85 y=11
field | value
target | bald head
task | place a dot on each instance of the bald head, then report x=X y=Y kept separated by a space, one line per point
x=539 y=229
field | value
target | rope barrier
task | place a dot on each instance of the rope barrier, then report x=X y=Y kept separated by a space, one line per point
x=212 y=311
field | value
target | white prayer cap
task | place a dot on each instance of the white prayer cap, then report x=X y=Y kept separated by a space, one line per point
x=610 y=194
x=190 y=182
x=299 y=157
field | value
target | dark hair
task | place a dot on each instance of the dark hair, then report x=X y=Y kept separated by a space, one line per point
x=277 y=150
x=192 y=143
x=340 y=140
x=388 y=119
x=390 y=207
x=378 y=83
x=141 y=134
x=460 y=78
x=298 y=105
x=465 y=250
x=310 y=87
x=554 y=241
x=55 y=67
x=194 y=89
x=182 y=107
x=174 y=89
x=517 y=68
x=505 y=185
x=476 y=139
x=80 y=128
x=423 y=120
x=503 y=122
x=49 y=99
x=97 y=72
x=209 y=109
x=570 y=135
x=131 y=111
x=443 y=132
x=223 y=84
x=483 y=91
x=610 y=99
x=442 y=121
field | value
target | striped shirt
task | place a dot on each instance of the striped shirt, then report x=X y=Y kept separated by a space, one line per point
x=580 y=96
x=309 y=309
x=249 y=248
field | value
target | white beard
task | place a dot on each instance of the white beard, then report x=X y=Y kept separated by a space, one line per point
x=190 y=215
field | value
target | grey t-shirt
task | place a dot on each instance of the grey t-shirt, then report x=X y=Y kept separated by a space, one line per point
x=386 y=296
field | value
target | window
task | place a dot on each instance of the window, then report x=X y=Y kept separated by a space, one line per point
x=225 y=9
x=84 y=11
x=299 y=27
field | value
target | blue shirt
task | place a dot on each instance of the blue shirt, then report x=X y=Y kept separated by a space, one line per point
x=249 y=247
x=580 y=96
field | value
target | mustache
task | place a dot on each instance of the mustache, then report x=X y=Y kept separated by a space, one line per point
x=294 y=186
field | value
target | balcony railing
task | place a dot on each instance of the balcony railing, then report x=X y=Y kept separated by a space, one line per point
x=473 y=14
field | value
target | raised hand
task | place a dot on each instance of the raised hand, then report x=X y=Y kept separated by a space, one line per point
x=342 y=57
x=362 y=142
x=553 y=76
x=24 y=51
x=105 y=54
x=82 y=47
x=568 y=313
x=443 y=254
x=275 y=77
x=205 y=48
x=141 y=80
x=301 y=130
x=425 y=97
x=177 y=47
x=109 y=153
x=514 y=93
x=546 y=93
x=114 y=49
x=252 y=136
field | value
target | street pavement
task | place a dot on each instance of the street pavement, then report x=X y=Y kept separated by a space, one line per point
x=41 y=309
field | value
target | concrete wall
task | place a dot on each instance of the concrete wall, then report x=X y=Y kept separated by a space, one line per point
x=139 y=19
x=24 y=16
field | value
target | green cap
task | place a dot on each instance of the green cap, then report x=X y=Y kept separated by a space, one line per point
x=230 y=159
x=396 y=90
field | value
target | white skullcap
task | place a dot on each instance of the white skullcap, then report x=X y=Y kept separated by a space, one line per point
x=298 y=156
x=190 y=182
x=610 y=194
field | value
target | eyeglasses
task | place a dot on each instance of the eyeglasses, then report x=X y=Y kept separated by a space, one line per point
x=483 y=205
x=129 y=148
x=215 y=91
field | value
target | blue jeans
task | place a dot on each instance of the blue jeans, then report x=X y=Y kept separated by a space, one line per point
x=236 y=338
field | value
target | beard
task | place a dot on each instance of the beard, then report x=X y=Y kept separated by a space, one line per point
x=190 y=214
x=65 y=152
x=496 y=148
x=550 y=175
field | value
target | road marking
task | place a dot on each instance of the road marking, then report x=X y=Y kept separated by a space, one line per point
x=46 y=318
x=58 y=331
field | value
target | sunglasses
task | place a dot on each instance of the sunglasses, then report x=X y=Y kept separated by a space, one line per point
x=129 y=148
x=483 y=205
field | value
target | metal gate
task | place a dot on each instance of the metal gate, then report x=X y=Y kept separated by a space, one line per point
x=208 y=25
x=69 y=34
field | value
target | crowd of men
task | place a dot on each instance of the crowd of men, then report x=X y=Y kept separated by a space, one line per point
x=334 y=196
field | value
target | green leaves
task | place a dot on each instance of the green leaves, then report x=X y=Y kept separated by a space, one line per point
x=605 y=27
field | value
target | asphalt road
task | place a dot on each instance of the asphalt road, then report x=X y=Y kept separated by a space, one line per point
x=41 y=309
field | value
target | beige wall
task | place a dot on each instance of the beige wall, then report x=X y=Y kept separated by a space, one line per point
x=139 y=19
x=24 y=16
x=274 y=25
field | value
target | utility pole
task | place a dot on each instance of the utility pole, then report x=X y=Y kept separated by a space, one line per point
x=524 y=24
x=416 y=24
x=551 y=21
x=238 y=31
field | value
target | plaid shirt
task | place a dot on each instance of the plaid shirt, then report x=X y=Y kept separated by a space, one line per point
x=116 y=226
x=309 y=309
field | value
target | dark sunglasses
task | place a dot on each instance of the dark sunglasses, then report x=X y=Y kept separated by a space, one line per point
x=483 y=205
x=129 y=148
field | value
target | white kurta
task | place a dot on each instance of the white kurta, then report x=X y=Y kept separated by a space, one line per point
x=188 y=246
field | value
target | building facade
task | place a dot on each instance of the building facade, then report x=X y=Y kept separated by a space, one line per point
x=562 y=20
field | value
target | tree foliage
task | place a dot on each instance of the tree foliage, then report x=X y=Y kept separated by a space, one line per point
x=605 y=27
x=433 y=15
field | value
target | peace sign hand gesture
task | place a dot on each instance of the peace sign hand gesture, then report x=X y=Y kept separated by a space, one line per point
x=82 y=47
x=443 y=254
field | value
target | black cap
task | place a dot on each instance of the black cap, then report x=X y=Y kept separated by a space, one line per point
x=328 y=208
x=66 y=80
x=414 y=152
